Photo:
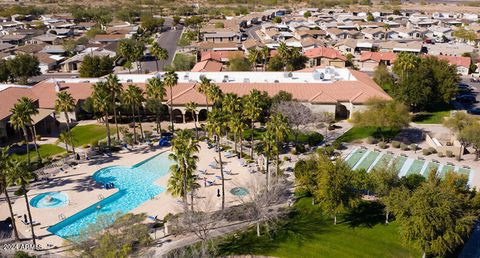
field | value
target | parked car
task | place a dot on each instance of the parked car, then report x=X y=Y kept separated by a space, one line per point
x=474 y=111
x=466 y=98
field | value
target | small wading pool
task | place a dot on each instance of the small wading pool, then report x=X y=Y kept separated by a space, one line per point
x=49 y=200
x=239 y=191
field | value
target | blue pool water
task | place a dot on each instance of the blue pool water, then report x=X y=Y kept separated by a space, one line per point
x=135 y=185
x=49 y=200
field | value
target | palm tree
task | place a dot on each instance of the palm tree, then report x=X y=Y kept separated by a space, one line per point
x=283 y=51
x=215 y=94
x=65 y=103
x=192 y=108
x=269 y=147
x=125 y=50
x=184 y=148
x=231 y=105
x=155 y=51
x=156 y=92
x=20 y=174
x=4 y=184
x=163 y=55
x=171 y=79
x=203 y=88
x=406 y=62
x=215 y=125
x=115 y=88
x=253 y=57
x=137 y=54
x=278 y=124
x=265 y=53
x=386 y=26
x=101 y=103
x=21 y=119
x=133 y=97
x=252 y=110
x=63 y=137
x=237 y=127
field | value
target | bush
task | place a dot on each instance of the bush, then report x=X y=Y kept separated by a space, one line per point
x=286 y=158
x=314 y=139
x=449 y=153
x=300 y=148
x=38 y=137
x=86 y=145
x=94 y=143
x=396 y=144
x=440 y=154
x=294 y=152
x=432 y=150
x=403 y=146
x=382 y=145
x=426 y=152
x=371 y=140
x=413 y=147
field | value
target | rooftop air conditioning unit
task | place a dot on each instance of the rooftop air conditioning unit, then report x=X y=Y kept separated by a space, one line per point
x=185 y=77
x=276 y=81
x=129 y=80
x=246 y=80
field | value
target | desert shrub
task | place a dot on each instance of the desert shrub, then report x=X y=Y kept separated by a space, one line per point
x=403 y=146
x=314 y=139
x=440 y=154
x=426 y=152
x=432 y=150
x=449 y=153
x=371 y=140
x=382 y=145
x=413 y=147
x=396 y=144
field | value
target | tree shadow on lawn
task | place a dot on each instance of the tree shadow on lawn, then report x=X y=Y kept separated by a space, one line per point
x=366 y=214
x=301 y=225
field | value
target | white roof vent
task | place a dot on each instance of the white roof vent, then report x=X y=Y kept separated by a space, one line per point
x=246 y=80
x=57 y=87
x=225 y=78
x=185 y=77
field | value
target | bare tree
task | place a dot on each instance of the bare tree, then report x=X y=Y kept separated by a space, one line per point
x=325 y=118
x=260 y=205
x=297 y=114
x=201 y=223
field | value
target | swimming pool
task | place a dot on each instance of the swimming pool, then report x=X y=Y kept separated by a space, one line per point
x=135 y=184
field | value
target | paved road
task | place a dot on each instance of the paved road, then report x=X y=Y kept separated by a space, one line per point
x=167 y=40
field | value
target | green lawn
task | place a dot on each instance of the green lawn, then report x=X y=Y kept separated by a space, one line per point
x=430 y=117
x=86 y=134
x=309 y=233
x=46 y=150
x=358 y=133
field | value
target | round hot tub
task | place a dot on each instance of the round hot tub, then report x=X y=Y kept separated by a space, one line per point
x=239 y=191
x=49 y=200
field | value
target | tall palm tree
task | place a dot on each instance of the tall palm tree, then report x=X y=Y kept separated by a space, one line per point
x=269 y=147
x=283 y=51
x=101 y=103
x=155 y=51
x=115 y=88
x=192 y=108
x=203 y=88
x=133 y=97
x=171 y=79
x=21 y=119
x=406 y=62
x=231 y=105
x=125 y=50
x=63 y=137
x=252 y=111
x=66 y=104
x=253 y=57
x=163 y=55
x=156 y=92
x=265 y=53
x=215 y=125
x=184 y=148
x=278 y=124
x=237 y=127
x=4 y=184
x=215 y=94
x=386 y=26
x=137 y=54
x=21 y=175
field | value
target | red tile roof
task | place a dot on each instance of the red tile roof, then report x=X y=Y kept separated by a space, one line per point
x=378 y=56
x=456 y=60
x=219 y=55
x=324 y=52
x=10 y=96
x=207 y=66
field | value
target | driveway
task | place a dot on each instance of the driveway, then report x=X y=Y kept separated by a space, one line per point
x=167 y=40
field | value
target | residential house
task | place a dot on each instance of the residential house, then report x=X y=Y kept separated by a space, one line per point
x=304 y=34
x=323 y=56
x=374 y=33
x=208 y=66
x=46 y=39
x=220 y=56
x=73 y=64
x=407 y=33
x=337 y=34
x=462 y=63
x=370 y=60
x=14 y=39
x=224 y=36
x=46 y=62
x=108 y=38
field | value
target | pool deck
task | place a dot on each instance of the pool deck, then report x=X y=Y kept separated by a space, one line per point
x=83 y=192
